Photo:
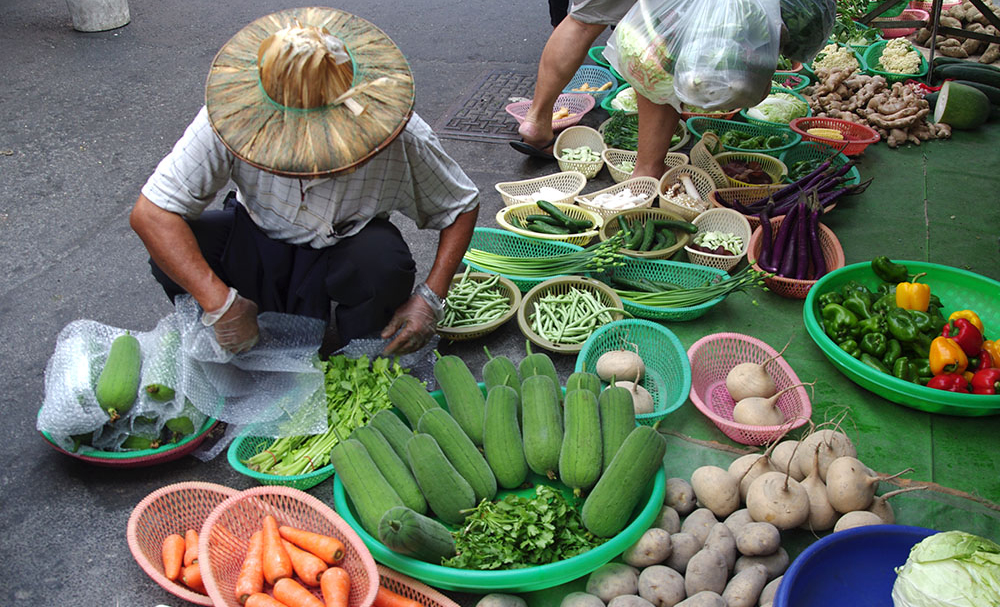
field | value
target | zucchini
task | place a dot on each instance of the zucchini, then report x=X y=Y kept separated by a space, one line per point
x=583 y=380
x=503 y=446
x=409 y=395
x=544 y=228
x=542 y=427
x=446 y=492
x=580 y=454
x=538 y=364
x=460 y=451
x=500 y=370
x=575 y=225
x=672 y=224
x=974 y=72
x=607 y=509
x=408 y=532
x=394 y=469
x=617 y=420
x=118 y=384
x=393 y=429
x=161 y=393
x=370 y=492
x=161 y=365
x=464 y=396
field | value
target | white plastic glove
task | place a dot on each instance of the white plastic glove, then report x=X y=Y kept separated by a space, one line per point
x=413 y=324
x=235 y=323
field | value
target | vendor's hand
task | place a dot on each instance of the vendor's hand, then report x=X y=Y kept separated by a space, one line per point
x=237 y=330
x=413 y=325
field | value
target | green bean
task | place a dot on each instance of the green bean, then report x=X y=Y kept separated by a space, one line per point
x=571 y=317
x=473 y=302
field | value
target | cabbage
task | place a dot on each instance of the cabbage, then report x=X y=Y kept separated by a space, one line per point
x=626 y=101
x=779 y=107
x=949 y=569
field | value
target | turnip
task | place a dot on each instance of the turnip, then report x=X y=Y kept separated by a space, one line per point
x=880 y=505
x=762 y=411
x=752 y=379
x=716 y=489
x=778 y=499
x=622 y=363
x=680 y=496
x=747 y=468
x=851 y=485
x=782 y=461
x=857 y=518
x=822 y=516
x=642 y=400
x=833 y=444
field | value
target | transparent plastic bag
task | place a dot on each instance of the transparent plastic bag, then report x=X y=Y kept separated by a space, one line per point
x=809 y=24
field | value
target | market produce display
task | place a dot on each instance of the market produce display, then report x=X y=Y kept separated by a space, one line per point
x=965 y=16
x=470 y=302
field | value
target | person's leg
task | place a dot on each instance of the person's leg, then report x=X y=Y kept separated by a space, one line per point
x=657 y=124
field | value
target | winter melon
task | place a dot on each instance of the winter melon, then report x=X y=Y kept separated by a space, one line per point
x=961 y=106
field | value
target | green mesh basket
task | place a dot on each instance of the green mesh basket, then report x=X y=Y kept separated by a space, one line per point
x=791 y=80
x=246 y=446
x=684 y=274
x=873 y=56
x=606 y=102
x=504 y=242
x=668 y=371
x=778 y=125
x=815 y=150
x=698 y=125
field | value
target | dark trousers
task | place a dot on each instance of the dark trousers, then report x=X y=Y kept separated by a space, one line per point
x=359 y=282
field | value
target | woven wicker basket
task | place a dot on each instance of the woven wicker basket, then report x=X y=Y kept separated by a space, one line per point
x=410 y=588
x=742 y=196
x=775 y=168
x=464 y=333
x=702 y=157
x=833 y=255
x=703 y=182
x=614 y=157
x=225 y=537
x=711 y=359
x=639 y=186
x=720 y=220
x=612 y=227
x=569 y=183
x=520 y=211
x=578 y=104
x=577 y=136
x=171 y=509
x=562 y=285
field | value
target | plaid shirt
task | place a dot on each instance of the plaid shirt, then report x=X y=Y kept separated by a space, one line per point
x=412 y=175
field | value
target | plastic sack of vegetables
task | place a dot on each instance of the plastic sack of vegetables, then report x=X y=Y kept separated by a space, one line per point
x=949 y=569
x=809 y=24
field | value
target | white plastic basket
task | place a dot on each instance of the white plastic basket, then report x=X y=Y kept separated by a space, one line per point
x=640 y=186
x=577 y=136
x=570 y=183
x=720 y=220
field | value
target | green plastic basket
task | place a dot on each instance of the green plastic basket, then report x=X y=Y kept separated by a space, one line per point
x=803 y=80
x=958 y=290
x=504 y=242
x=698 y=125
x=596 y=55
x=874 y=54
x=606 y=102
x=680 y=273
x=861 y=60
x=668 y=371
x=815 y=150
x=778 y=125
x=246 y=446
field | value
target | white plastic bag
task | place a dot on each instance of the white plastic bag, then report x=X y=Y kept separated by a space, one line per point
x=809 y=24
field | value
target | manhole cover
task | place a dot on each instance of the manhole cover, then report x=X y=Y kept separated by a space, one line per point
x=480 y=115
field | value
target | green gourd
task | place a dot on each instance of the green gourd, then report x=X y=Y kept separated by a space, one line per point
x=368 y=489
x=446 y=492
x=408 y=532
x=617 y=420
x=538 y=363
x=118 y=384
x=393 y=429
x=409 y=395
x=542 y=428
x=583 y=379
x=500 y=370
x=502 y=442
x=464 y=396
x=580 y=455
x=460 y=451
x=395 y=470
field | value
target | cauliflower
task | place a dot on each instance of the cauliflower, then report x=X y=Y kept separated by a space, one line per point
x=833 y=57
x=899 y=57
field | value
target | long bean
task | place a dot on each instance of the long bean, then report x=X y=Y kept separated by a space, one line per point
x=470 y=302
x=685 y=298
x=570 y=317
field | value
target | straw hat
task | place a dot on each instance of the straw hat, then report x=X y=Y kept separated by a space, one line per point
x=309 y=92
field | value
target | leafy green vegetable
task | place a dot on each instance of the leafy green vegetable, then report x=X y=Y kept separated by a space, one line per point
x=779 y=107
x=626 y=100
x=949 y=569
x=518 y=532
x=622 y=131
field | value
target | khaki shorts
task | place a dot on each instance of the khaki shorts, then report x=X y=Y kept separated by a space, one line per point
x=606 y=12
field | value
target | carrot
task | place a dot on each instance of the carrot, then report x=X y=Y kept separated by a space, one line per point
x=251 y=577
x=276 y=562
x=336 y=586
x=328 y=548
x=190 y=547
x=191 y=576
x=387 y=598
x=173 y=555
x=262 y=599
x=307 y=565
x=294 y=594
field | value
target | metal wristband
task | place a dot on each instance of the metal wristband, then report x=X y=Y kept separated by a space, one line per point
x=210 y=318
x=432 y=299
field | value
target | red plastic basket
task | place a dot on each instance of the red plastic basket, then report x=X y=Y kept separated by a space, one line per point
x=171 y=509
x=713 y=356
x=833 y=255
x=856 y=136
x=412 y=589
x=225 y=536
x=909 y=14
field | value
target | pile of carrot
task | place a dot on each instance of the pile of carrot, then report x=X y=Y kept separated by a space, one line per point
x=180 y=559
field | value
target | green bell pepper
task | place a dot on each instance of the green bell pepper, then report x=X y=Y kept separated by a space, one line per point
x=830 y=297
x=874 y=363
x=885 y=303
x=922 y=320
x=889 y=271
x=853 y=286
x=839 y=322
x=922 y=367
x=893 y=350
x=886 y=289
x=860 y=303
x=935 y=301
x=851 y=347
x=872 y=324
x=904 y=369
x=874 y=344
x=902 y=326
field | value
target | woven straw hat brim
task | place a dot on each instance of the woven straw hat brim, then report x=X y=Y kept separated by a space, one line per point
x=309 y=142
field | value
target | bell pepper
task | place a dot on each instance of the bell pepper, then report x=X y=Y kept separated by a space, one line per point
x=901 y=326
x=839 y=322
x=853 y=286
x=926 y=323
x=904 y=369
x=993 y=349
x=830 y=297
x=886 y=289
x=923 y=368
x=946 y=356
x=965 y=334
x=893 y=350
x=986 y=381
x=872 y=324
x=952 y=382
x=874 y=344
x=934 y=300
x=888 y=270
x=885 y=303
x=860 y=303
x=935 y=312
x=874 y=363
x=970 y=316
x=913 y=295
x=983 y=361
x=851 y=347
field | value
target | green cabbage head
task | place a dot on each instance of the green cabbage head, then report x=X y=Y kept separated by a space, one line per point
x=949 y=569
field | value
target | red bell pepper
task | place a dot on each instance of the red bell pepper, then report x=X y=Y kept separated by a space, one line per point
x=986 y=381
x=965 y=334
x=983 y=361
x=951 y=382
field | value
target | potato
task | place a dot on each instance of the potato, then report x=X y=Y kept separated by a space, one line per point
x=613 y=579
x=758 y=539
x=721 y=539
x=581 y=599
x=774 y=563
x=629 y=600
x=679 y=496
x=683 y=547
x=745 y=587
x=668 y=520
x=699 y=523
x=652 y=548
x=771 y=589
x=501 y=600
x=661 y=586
x=716 y=489
x=736 y=520
x=703 y=599
x=706 y=570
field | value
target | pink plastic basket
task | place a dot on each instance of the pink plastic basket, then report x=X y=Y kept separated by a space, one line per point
x=412 y=589
x=171 y=509
x=578 y=105
x=713 y=356
x=225 y=536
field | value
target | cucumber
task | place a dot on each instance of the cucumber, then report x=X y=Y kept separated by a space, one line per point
x=118 y=384
x=392 y=429
x=580 y=455
x=961 y=106
x=607 y=509
x=409 y=395
x=370 y=492
x=162 y=366
x=542 y=428
x=617 y=420
x=976 y=72
x=394 y=469
x=583 y=380
x=464 y=397
x=408 y=532
x=538 y=364
x=501 y=370
x=503 y=446
x=446 y=492
x=942 y=60
x=460 y=451
x=574 y=225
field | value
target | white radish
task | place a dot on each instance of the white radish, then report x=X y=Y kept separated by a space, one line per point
x=642 y=400
x=833 y=444
x=716 y=489
x=822 y=516
x=625 y=364
x=851 y=485
x=781 y=459
x=752 y=379
x=778 y=499
x=857 y=518
x=761 y=411
x=881 y=507
x=747 y=468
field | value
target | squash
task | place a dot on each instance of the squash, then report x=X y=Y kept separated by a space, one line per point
x=393 y=429
x=407 y=532
x=464 y=397
x=460 y=451
x=580 y=455
x=542 y=428
x=370 y=492
x=409 y=395
x=617 y=420
x=118 y=384
x=503 y=446
x=394 y=469
x=447 y=493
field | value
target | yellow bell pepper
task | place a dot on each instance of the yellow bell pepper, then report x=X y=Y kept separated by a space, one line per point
x=993 y=348
x=968 y=315
x=913 y=295
x=946 y=356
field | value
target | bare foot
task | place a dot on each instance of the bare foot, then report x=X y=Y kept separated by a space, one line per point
x=537 y=135
x=655 y=172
